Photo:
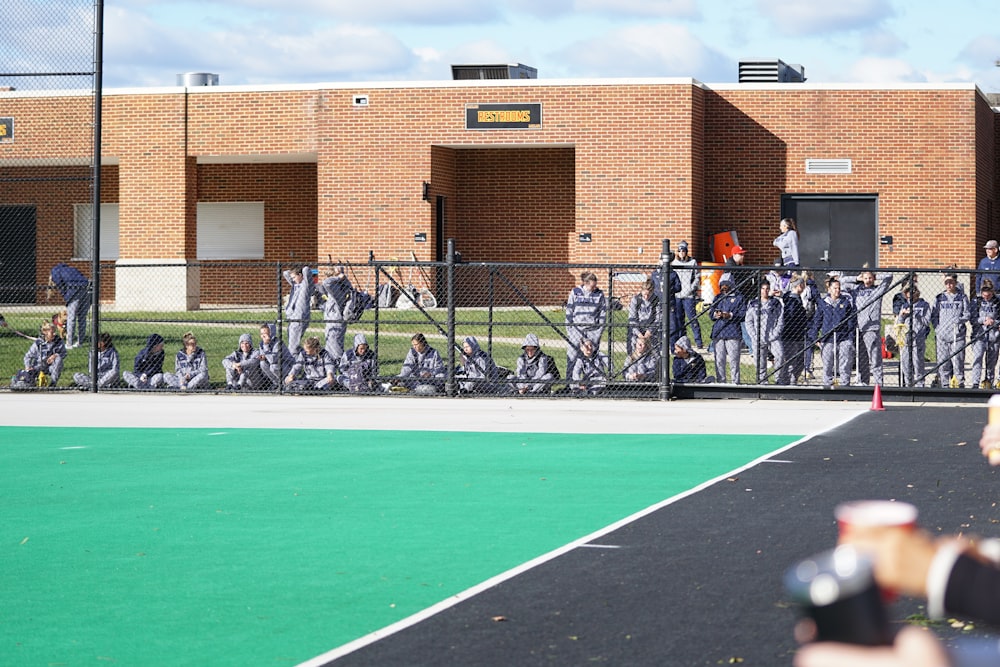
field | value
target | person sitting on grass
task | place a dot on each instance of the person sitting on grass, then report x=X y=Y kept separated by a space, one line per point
x=644 y=363
x=148 y=373
x=191 y=366
x=688 y=366
x=43 y=362
x=590 y=371
x=243 y=367
x=313 y=368
x=108 y=365
x=422 y=367
x=535 y=370
x=274 y=356
x=358 y=371
x=480 y=371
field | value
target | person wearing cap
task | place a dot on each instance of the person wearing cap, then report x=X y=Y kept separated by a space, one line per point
x=796 y=323
x=243 y=367
x=586 y=314
x=989 y=266
x=358 y=367
x=688 y=366
x=916 y=314
x=744 y=282
x=984 y=314
x=336 y=290
x=535 y=370
x=949 y=315
x=867 y=290
x=727 y=312
x=689 y=294
x=788 y=243
x=836 y=321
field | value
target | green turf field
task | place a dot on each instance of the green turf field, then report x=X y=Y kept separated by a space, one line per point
x=268 y=547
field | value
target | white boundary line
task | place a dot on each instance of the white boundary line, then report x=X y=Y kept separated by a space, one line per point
x=468 y=593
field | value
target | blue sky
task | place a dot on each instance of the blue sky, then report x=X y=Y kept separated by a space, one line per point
x=148 y=43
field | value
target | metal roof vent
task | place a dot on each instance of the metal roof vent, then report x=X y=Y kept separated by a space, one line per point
x=774 y=71
x=510 y=71
x=195 y=79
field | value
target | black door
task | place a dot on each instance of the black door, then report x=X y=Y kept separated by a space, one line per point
x=17 y=254
x=834 y=232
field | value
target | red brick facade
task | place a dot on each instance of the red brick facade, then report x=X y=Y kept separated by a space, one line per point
x=628 y=162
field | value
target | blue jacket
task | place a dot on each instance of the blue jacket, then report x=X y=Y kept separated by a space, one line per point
x=727 y=328
x=690 y=370
x=835 y=317
x=988 y=268
x=796 y=321
x=147 y=362
x=69 y=281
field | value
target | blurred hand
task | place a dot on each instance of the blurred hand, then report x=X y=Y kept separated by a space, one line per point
x=901 y=555
x=914 y=647
x=989 y=443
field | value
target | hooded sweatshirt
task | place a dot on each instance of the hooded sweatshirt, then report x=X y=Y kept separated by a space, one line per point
x=147 y=362
x=358 y=372
x=479 y=366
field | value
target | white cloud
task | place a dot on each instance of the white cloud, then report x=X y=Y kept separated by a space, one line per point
x=661 y=50
x=657 y=8
x=883 y=70
x=881 y=43
x=425 y=12
x=798 y=17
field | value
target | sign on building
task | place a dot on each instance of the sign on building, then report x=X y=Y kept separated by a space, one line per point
x=6 y=129
x=503 y=116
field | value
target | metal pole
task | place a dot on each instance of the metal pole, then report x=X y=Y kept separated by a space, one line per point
x=95 y=272
x=665 y=385
x=449 y=382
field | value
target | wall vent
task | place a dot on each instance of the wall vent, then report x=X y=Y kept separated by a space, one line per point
x=773 y=71
x=832 y=166
x=512 y=71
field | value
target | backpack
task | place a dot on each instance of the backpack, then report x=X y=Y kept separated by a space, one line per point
x=387 y=295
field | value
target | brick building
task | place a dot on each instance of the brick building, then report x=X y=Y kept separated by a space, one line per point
x=513 y=170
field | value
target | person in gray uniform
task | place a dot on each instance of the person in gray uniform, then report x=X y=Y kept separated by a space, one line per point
x=764 y=319
x=644 y=363
x=950 y=317
x=108 y=365
x=190 y=366
x=297 y=309
x=313 y=368
x=586 y=314
x=590 y=370
x=480 y=372
x=275 y=357
x=243 y=367
x=535 y=370
x=916 y=313
x=358 y=370
x=338 y=291
x=867 y=291
x=422 y=367
x=46 y=355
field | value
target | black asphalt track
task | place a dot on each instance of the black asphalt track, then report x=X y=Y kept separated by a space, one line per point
x=698 y=582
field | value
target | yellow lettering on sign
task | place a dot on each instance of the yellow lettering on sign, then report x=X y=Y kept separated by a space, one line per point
x=513 y=116
x=3 y=130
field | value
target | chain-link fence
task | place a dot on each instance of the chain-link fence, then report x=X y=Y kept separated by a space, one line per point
x=47 y=157
x=482 y=329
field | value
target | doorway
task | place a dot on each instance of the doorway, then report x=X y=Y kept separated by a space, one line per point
x=834 y=231
x=17 y=254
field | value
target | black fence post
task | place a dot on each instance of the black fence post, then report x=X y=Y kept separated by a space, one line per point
x=279 y=334
x=665 y=257
x=449 y=382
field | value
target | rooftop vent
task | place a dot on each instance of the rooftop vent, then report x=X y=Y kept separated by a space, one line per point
x=195 y=79
x=774 y=71
x=512 y=71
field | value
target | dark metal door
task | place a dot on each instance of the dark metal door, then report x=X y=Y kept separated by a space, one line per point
x=17 y=254
x=834 y=231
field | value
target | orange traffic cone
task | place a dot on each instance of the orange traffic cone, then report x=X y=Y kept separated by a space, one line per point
x=877 y=398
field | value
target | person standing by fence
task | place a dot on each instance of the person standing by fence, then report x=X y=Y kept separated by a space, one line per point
x=75 y=290
x=586 y=315
x=689 y=275
x=837 y=320
x=949 y=316
x=297 y=309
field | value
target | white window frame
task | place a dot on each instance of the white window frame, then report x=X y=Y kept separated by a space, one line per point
x=83 y=225
x=230 y=230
